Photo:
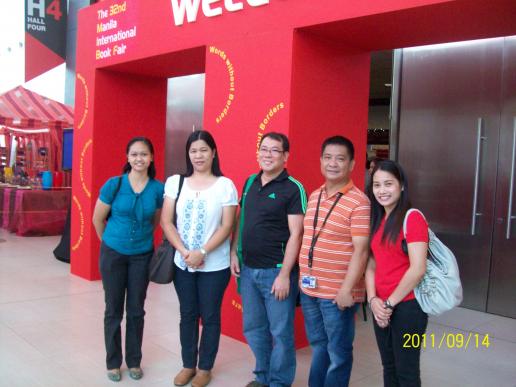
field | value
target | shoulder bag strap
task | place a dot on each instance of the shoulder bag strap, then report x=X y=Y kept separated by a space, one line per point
x=406 y=220
x=181 y=181
x=247 y=186
x=118 y=184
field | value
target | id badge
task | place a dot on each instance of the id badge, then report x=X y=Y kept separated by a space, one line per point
x=308 y=281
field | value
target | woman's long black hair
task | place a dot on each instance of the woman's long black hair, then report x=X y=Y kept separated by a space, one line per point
x=208 y=139
x=151 y=171
x=394 y=223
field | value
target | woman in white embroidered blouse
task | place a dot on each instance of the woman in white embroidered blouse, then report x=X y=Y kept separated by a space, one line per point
x=205 y=215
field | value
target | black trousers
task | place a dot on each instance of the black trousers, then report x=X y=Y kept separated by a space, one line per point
x=200 y=297
x=400 y=357
x=125 y=279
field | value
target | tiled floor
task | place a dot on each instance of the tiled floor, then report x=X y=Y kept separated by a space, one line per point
x=51 y=334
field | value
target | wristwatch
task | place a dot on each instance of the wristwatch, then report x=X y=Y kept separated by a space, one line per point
x=388 y=304
x=203 y=252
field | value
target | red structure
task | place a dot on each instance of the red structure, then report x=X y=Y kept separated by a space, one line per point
x=296 y=66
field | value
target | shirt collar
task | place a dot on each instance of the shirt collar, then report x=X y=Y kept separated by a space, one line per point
x=282 y=176
x=343 y=190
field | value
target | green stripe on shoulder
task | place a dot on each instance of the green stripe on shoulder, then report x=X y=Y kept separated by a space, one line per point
x=302 y=193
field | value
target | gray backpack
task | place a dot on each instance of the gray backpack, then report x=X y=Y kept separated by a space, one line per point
x=440 y=289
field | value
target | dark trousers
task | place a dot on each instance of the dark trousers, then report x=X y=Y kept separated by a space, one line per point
x=125 y=278
x=401 y=363
x=200 y=297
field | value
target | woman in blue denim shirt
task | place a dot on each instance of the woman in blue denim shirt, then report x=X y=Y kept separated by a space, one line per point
x=125 y=215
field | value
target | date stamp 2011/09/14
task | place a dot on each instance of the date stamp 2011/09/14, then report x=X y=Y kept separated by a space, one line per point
x=446 y=340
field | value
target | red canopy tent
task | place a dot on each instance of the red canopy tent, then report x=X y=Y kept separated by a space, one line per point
x=26 y=110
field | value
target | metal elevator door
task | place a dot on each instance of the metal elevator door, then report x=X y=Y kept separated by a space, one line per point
x=185 y=108
x=456 y=141
x=502 y=284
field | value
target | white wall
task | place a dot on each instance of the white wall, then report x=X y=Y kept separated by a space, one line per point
x=12 y=56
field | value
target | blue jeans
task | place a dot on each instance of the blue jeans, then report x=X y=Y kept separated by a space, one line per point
x=200 y=297
x=330 y=332
x=269 y=325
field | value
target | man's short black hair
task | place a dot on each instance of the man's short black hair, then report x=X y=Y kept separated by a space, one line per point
x=278 y=137
x=339 y=140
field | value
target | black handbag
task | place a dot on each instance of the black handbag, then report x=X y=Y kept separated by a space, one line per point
x=161 y=265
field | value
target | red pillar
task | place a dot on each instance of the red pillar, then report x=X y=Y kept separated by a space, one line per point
x=330 y=93
x=125 y=105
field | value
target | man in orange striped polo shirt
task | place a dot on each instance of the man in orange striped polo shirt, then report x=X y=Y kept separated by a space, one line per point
x=332 y=262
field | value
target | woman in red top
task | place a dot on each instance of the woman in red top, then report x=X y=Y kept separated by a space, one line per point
x=395 y=268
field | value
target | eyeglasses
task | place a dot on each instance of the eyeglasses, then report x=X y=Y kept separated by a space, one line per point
x=273 y=151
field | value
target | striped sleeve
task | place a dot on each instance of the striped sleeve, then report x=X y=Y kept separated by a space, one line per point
x=360 y=216
x=298 y=204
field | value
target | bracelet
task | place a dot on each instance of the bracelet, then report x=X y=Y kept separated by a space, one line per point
x=203 y=252
x=372 y=298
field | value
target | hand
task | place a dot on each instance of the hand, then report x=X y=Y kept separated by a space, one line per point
x=235 y=264
x=382 y=323
x=195 y=259
x=344 y=299
x=281 y=287
x=185 y=253
x=380 y=312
